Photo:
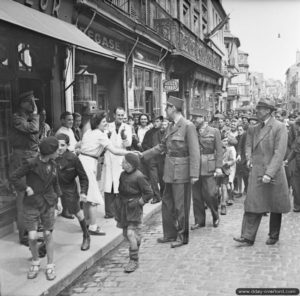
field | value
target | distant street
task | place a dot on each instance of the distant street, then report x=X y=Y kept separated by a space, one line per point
x=210 y=265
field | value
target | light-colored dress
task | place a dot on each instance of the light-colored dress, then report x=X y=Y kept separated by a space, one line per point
x=92 y=145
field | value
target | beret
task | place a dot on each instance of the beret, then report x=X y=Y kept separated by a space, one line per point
x=48 y=145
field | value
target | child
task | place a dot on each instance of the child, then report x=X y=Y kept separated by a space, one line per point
x=41 y=192
x=134 y=192
x=228 y=162
x=69 y=167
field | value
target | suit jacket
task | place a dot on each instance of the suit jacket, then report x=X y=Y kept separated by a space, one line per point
x=265 y=148
x=181 y=146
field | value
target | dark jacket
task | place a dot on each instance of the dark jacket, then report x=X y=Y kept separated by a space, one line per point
x=152 y=138
x=69 y=167
x=132 y=187
x=42 y=178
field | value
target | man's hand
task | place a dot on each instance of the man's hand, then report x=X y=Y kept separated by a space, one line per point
x=238 y=159
x=266 y=179
x=83 y=197
x=286 y=162
x=249 y=164
x=35 y=110
x=218 y=172
x=29 y=191
x=59 y=206
x=194 y=180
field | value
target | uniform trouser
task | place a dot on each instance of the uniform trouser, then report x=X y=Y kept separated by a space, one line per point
x=205 y=191
x=154 y=178
x=176 y=203
x=251 y=222
x=296 y=188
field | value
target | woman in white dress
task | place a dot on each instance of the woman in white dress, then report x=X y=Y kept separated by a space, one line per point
x=94 y=141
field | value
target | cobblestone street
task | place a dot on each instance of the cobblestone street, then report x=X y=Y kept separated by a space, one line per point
x=210 y=265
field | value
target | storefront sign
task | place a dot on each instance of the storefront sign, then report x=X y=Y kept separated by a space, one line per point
x=232 y=91
x=205 y=78
x=104 y=40
x=171 y=85
x=45 y=5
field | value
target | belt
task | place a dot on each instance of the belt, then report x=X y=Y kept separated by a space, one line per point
x=95 y=157
x=178 y=154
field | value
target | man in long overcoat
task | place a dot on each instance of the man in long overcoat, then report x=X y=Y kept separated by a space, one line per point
x=181 y=169
x=267 y=189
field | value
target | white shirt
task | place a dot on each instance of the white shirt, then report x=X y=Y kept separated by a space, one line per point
x=94 y=142
x=69 y=132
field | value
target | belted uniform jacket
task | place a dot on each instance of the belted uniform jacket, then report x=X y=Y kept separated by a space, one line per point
x=265 y=148
x=181 y=146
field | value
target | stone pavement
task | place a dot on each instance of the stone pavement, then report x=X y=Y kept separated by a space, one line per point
x=210 y=265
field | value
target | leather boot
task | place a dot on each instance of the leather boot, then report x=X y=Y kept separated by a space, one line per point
x=85 y=243
x=133 y=263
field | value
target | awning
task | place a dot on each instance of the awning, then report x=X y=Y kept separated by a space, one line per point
x=31 y=19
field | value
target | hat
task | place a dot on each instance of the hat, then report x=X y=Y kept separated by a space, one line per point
x=27 y=96
x=244 y=116
x=266 y=103
x=199 y=112
x=252 y=118
x=178 y=103
x=297 y=121
x=48 y=146
x=133 y=159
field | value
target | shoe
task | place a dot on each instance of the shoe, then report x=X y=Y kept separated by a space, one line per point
x=131 y=266
x=177 y=244
x=67 y=216
x=33 y=270
x=50 y=272
x=108 y=216
x=296 y=210
x=271 y=241
x=243 y=242
x=229 y=202
x=216 y=222
x=154 y=201
x=163 y=240
x=96 y=232
x=85 y=243
x=197 y=226
x=223 y=210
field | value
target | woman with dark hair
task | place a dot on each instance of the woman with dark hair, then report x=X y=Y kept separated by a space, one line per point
x=142 y=128
x=94 y=142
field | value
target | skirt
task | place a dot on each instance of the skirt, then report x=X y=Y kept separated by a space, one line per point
x=90 y=166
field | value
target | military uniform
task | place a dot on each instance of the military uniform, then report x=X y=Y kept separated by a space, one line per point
x=181 y=164
x=205 y=189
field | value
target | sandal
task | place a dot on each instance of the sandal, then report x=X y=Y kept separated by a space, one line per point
x=50 y=272
x=33 y=270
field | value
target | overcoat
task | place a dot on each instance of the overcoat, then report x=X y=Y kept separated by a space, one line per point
x=181 y=146
x=112 y=168
x=265 y=148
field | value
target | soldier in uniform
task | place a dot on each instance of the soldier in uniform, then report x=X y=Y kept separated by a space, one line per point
x=24 y=141
x=180 y=171
x=205 y=190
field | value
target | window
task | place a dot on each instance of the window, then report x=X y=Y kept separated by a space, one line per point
x=204 y=17
x=196 y=22
x=186 y=13
x=121 y=4
x=24 y=56
x=165 y=4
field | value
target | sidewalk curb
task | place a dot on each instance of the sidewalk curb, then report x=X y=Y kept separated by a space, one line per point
x=74 y=274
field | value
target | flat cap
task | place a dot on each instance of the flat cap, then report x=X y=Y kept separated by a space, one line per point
x=48 y=146
x=27 y=96
x=199 y=112
x=177 y=102
x=133 y=159
x=266 y=103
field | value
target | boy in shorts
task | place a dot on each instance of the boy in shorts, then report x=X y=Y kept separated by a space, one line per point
x=41 y=192
x=69 y=167
x=134 y=192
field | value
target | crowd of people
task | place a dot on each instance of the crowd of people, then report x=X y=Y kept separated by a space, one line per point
x=131 y=161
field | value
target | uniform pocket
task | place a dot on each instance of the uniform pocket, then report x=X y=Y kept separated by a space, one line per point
x=181 y=168
x=211 y=163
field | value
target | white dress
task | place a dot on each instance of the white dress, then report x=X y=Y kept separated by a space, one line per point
x=93 y=143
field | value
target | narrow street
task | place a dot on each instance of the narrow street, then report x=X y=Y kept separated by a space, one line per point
x=210 y=265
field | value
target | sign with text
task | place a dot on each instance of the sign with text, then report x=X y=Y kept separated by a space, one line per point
x=171 y=85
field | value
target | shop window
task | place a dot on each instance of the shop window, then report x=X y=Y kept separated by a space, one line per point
x=5 y=150
x=3 y=53
x=147 y=91
x=196 y=22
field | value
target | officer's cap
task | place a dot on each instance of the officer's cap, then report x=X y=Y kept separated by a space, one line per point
x=266 y=103
x=27 y=96
x=176 y=102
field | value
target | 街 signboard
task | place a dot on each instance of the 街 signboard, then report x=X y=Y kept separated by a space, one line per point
x=171 y=85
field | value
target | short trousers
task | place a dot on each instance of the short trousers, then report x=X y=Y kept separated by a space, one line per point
x=136 y=227
x=73 y=205
x=223 y=180
x=32 y=216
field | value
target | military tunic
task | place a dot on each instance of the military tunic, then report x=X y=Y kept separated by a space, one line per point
x=182 y=163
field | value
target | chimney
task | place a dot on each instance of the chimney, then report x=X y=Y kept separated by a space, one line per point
x=298 y=57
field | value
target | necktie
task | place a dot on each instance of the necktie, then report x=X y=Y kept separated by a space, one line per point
x=263 y=124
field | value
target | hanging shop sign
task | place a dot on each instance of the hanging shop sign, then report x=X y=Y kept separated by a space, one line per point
x=171 y=85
